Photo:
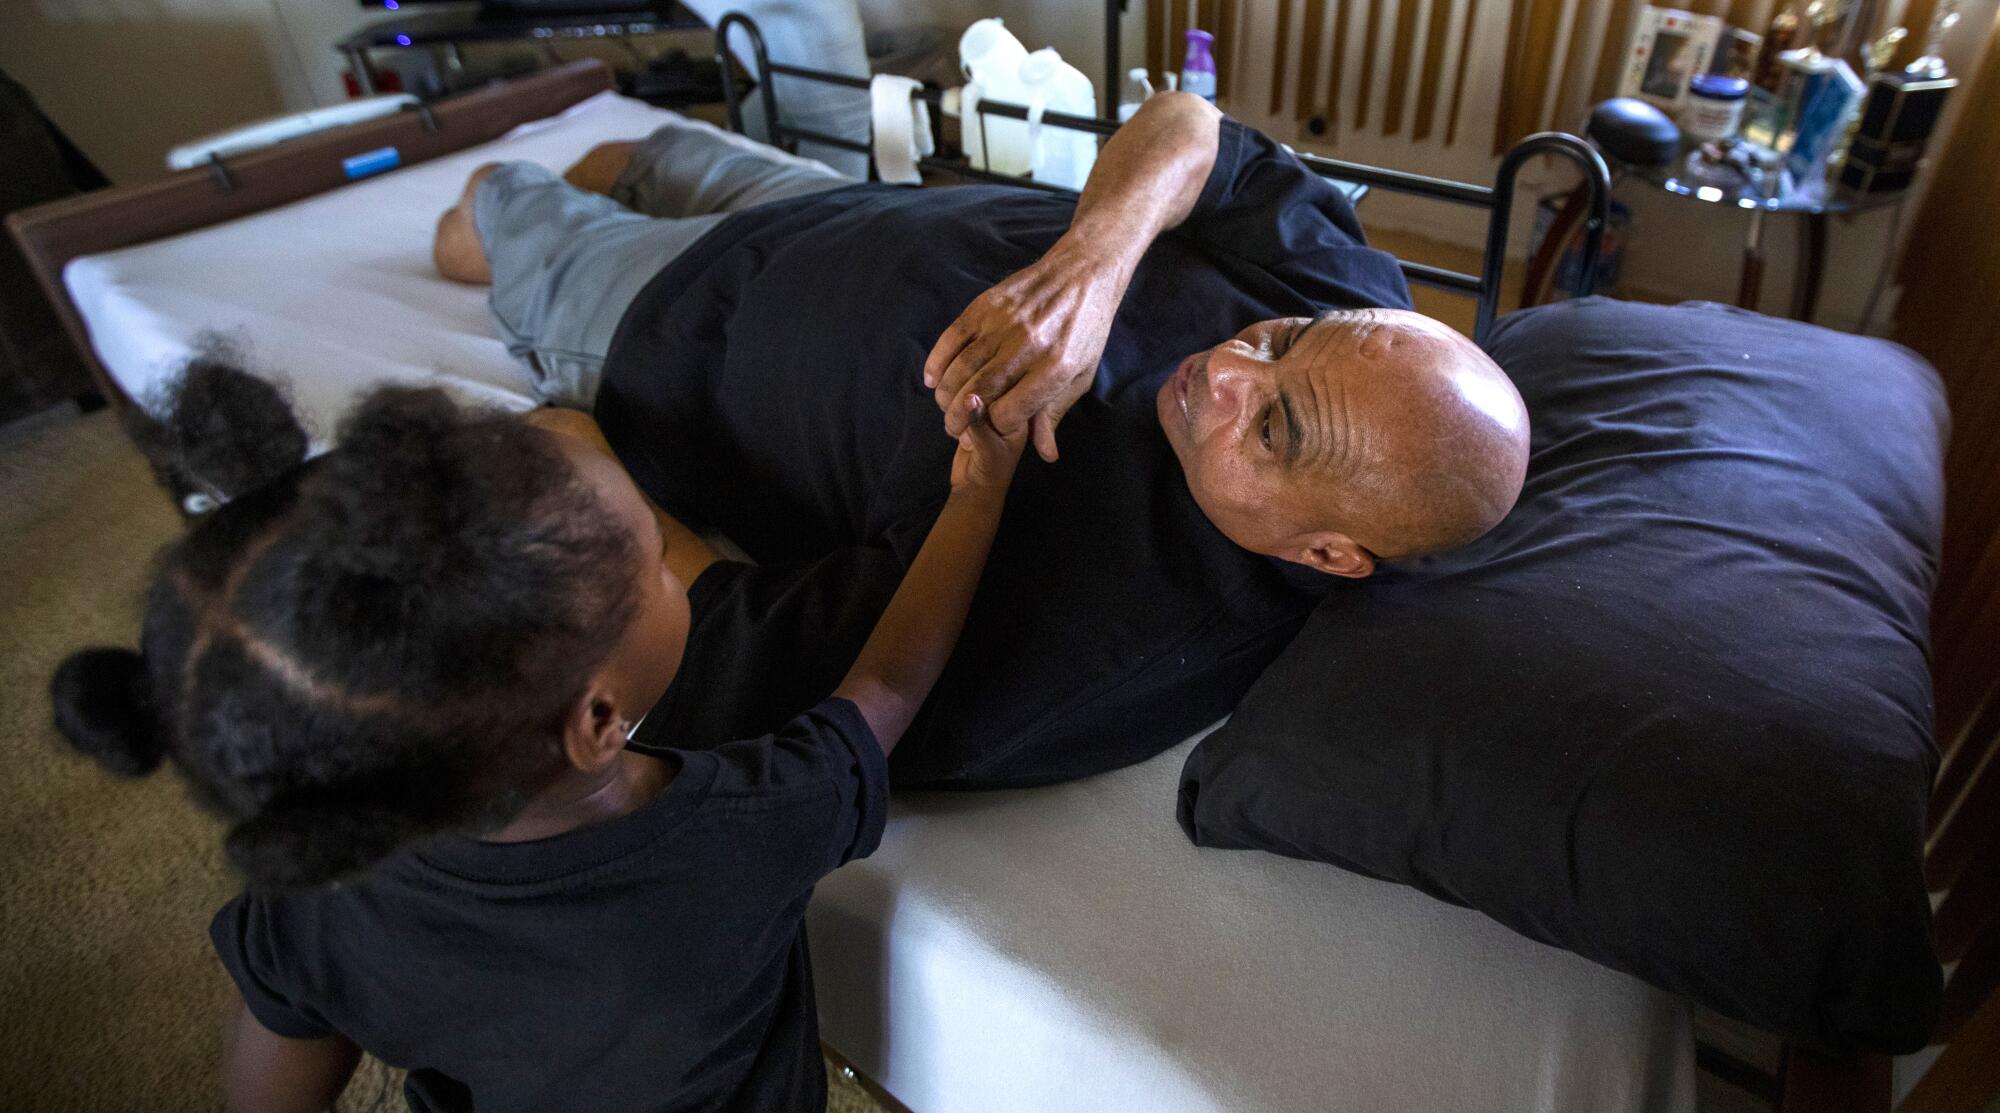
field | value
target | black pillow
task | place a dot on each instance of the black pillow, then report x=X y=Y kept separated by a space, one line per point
x=1674 y=713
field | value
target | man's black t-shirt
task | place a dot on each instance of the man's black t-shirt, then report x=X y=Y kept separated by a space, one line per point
x=768 y=384
x=652 y=962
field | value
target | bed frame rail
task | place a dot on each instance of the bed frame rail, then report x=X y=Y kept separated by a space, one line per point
x=1497 y=199
x=51 y=235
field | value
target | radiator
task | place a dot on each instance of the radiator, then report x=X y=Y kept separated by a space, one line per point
x=1473 y=75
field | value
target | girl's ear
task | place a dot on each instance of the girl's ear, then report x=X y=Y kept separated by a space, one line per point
x=594 y=732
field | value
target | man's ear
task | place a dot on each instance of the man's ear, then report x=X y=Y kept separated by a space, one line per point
x=594 y=732
x=1335 y=554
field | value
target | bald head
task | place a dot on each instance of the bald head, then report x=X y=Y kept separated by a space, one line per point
x=1335 y=440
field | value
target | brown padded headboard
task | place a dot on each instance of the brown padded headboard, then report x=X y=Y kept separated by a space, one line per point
x=51 y=235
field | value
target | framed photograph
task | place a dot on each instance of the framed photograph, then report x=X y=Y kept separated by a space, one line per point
x=1667 y=49
x=1736 y=53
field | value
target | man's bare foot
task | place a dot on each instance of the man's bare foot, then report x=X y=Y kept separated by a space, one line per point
x=457 y=251
x=600 y=167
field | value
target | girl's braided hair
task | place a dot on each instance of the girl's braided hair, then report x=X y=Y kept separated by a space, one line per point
x=354 y=652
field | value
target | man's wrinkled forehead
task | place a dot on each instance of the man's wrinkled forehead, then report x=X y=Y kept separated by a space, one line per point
x=1329 y=328
x=1384 y=335
x=1378 y=330
x=1343 y=333
x=1357 y=376
x=1330 y=346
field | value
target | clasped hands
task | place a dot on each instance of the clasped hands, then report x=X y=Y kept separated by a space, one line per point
x=1027 y=349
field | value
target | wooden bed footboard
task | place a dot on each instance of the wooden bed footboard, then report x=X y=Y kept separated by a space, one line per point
x=51 y=235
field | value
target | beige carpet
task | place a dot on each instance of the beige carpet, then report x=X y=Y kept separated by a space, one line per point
x=110 y=998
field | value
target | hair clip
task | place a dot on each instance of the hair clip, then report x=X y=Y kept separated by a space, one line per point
x=206 y=500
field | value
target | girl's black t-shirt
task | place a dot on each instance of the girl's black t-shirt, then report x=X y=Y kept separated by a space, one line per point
x=652 y=962
x=767 y=384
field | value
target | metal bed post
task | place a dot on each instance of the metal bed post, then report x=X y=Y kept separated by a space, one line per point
x=1113 y=80
x=1497 y=199
x=1597 y=176
x=763 y=59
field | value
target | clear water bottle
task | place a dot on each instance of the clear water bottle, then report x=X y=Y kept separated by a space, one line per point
x=1198 y=70
x=1137 y=88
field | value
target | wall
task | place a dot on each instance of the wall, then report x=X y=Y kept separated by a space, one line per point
x=129 y=78
x=126 y=79
x=1679 y=248
x=1073 y=27
x=313 y=26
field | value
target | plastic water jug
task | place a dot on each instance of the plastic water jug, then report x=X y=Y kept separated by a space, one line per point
x=1058 y=156
x=991 y=57
x=1137 y=90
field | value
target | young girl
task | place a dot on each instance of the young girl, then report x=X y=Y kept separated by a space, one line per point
x=409 y=672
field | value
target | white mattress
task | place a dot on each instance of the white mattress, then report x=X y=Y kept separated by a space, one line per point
x=1067 y=948
x=1055 y=949
x=335 y=292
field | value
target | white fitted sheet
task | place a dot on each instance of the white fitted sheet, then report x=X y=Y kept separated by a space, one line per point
x=1061 y=948
x=334 y=293
x=1067 y=948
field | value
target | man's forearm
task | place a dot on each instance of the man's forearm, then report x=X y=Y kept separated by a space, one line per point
x=1030 y=345
x=1147 y=178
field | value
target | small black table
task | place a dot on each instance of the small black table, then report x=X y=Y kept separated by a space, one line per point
x=443 y=31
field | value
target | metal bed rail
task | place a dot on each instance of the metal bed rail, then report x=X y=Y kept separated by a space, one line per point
x=1497 y=199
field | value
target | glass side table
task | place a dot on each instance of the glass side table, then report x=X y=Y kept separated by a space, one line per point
x=1730 y=185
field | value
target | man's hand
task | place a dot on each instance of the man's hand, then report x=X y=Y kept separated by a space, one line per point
x=1029 y=347
x=1030 y=344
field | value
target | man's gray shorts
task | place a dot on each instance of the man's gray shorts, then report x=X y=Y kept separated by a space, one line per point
x=566 y=263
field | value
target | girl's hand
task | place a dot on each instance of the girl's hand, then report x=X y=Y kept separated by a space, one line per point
x=985 y=460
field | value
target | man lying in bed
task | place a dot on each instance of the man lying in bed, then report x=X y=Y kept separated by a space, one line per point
x=777 y=374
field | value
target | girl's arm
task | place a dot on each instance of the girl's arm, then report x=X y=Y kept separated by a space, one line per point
x=264 y=1072
x=918 y=630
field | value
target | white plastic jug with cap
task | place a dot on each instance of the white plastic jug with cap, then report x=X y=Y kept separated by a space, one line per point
x=991 y=57
x=1057 y=155
x=1138 y=89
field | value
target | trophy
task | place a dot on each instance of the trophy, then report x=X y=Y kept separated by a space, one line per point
x=1902 y=110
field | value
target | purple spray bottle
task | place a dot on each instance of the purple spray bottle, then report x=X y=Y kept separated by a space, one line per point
x=1198 y=70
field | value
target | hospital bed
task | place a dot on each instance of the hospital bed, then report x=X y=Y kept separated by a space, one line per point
x=1060 y=948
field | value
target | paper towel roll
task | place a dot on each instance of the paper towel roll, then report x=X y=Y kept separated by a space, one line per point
x=902 y=126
